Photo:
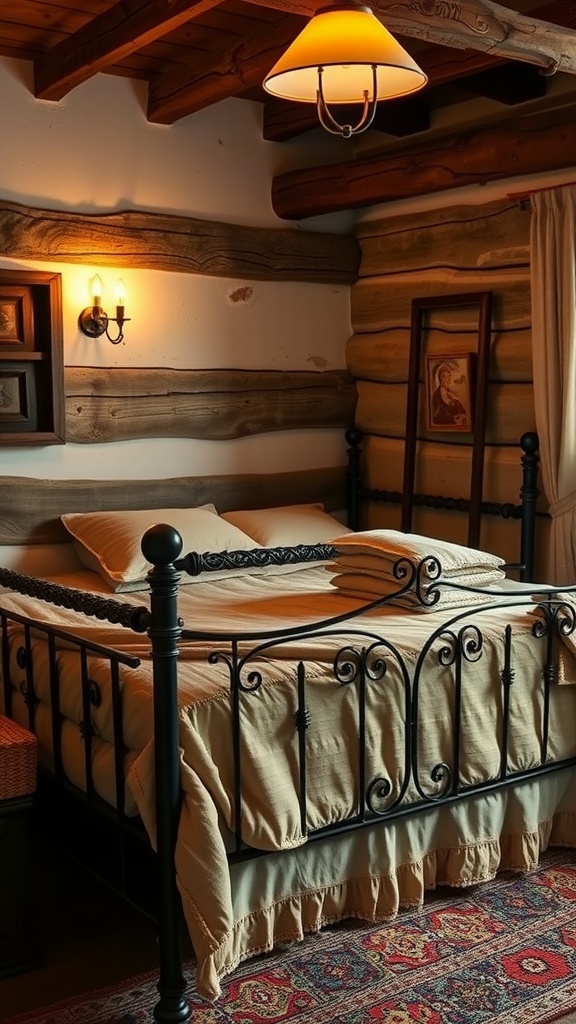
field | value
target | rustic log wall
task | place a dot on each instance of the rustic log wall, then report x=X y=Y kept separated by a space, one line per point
x=121 y=404
x=451 y=251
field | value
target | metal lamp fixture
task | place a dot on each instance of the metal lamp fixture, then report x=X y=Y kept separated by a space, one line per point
x=344 y=55
x=94 y=322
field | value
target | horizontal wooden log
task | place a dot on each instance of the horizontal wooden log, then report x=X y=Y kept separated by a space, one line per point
x=30 y=509
x=381 y=410
x=535 y=142
x=466 y=237
x=384 y=355
x=379 y=303
x=183 y=244
x=121 y=404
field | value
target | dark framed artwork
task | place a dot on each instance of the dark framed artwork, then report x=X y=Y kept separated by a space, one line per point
x=17 y=398
x=449 y=395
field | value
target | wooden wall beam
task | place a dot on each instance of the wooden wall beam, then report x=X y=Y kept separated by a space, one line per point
x=30 y=508
x=543 y=141
x=121 y=404
x=184 y=244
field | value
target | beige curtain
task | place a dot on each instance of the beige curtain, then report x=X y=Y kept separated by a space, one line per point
x=553 y=287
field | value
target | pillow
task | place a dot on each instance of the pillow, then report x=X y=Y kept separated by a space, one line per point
x=364 y=567
x=109 y=542
x=386 y=547
x=287 y=525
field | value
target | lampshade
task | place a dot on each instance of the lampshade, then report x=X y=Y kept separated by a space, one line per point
x=346 y=54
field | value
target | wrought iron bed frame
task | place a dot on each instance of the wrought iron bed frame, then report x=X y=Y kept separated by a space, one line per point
x=161 y=546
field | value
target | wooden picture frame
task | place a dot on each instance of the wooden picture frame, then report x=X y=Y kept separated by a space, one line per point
x=449 y=392
x=32 y=400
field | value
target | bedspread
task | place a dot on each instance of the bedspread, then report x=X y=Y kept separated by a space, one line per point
x=235 y=911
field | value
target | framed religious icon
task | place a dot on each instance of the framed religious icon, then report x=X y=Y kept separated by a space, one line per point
x=449 y=394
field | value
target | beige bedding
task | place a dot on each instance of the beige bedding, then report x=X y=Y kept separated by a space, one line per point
x=233 y=913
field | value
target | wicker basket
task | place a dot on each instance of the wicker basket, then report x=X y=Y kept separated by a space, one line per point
x=17 y=760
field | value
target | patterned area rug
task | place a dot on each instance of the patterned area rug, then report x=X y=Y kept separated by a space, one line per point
x=500 y=953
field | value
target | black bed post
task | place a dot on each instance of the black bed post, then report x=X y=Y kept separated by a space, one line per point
x=162 y=545
x=529 y=495
x=354 y=477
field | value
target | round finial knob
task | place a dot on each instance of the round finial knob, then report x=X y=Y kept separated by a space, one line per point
x=354 y=436
x=161 y=544
x=529 y=442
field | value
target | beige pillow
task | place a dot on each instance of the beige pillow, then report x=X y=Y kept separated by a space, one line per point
x=109 y=542
x=287 y=525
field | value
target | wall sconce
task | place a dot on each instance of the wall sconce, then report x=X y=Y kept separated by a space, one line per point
x=93 y=321
x=344 y=55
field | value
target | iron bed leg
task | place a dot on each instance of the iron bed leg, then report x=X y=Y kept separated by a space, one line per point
x=161 y=545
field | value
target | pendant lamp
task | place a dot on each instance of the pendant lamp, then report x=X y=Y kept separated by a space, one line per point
x=344 y=55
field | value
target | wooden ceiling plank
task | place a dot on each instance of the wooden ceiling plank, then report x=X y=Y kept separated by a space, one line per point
x=234 y=69
x=535 y=143
x=107 y=39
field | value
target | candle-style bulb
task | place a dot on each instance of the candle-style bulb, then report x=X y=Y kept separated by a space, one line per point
x=96 y=291
x=120 y=300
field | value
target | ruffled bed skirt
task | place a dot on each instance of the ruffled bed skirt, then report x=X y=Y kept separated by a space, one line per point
x=373 y=873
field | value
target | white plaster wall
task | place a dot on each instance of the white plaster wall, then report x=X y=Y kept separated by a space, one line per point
x=94 y=152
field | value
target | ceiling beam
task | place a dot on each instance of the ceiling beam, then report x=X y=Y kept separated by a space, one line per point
x=107 y=39
x=487 y=26
x=534 y=143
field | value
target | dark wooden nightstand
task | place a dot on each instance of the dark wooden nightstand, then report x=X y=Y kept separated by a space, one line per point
x=18 y=947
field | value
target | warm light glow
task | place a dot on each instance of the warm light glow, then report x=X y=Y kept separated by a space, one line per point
x=346 y=44
x=96 y=291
